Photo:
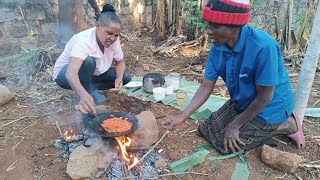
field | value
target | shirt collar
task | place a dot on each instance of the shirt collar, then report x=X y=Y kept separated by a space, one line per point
x=240 y=44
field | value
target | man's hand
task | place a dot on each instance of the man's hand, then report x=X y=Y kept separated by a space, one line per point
x=171 y=122
x=86 y=104
x=232 y=139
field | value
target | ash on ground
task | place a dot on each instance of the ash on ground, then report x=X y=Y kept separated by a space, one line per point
x=67 y=147
x=146 y=167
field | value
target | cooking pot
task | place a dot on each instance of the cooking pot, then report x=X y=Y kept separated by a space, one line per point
x=152 y=80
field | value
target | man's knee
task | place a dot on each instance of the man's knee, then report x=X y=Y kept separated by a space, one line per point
x=126 y=77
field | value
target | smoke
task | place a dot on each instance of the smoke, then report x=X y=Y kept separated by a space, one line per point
x=70 y=18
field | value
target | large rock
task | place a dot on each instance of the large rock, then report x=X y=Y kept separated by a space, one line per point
x=147 y=132
x=283 y=161
x=84 y=162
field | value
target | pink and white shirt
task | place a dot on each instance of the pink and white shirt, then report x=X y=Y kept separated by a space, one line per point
x=84 y=44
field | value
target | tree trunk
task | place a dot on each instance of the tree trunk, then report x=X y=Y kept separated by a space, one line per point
x=95 y=7
x=161 y=19
x=178 y=17
x=308 y=68
x=170 y=9
x=154 y=10
x=70 y=18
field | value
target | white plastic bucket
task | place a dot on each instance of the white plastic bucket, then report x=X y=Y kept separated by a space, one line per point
x=159 y=93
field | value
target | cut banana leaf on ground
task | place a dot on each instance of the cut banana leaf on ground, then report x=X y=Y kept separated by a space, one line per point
x=190 y=161
x=202 y=147
x=312 y=112
x=241 y=171
x=220 y=156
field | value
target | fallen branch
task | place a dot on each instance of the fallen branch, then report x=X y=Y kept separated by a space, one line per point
x=164 y=175
x=314 y=105
x=60 y=132
x=51 y=154
x=192 y=73
x=19 y=120
x=125 y=36
x=16 y=146
x=55 y=98
x=317 y=166
x=12 y=166
x=29 y=126
x=305 y=120
x=155 y=145
x=280 y=141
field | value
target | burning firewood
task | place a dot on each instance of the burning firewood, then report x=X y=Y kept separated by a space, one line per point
x=70 y=136
x=130 y=160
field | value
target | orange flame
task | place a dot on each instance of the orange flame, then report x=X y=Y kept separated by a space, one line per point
x=125 y=142
x=69 y=135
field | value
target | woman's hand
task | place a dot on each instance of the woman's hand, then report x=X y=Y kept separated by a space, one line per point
x=85 y=104
x=117 y=85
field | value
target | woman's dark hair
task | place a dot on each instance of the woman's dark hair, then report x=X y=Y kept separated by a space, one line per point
x=108 y=14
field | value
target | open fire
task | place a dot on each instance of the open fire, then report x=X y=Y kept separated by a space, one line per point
x=125 y=165
x=130 y=160
x=69 y=136
x=123 y=142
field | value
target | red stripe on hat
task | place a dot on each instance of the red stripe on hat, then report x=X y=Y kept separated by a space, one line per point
x=224 y=17
x=232 y=3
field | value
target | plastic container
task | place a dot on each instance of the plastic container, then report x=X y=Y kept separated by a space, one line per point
x=159 y=93
x=181 y=98
x=169 y=87
x=175 y=80
x=169 y=90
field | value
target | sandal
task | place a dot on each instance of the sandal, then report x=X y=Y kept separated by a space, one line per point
x=298 y=137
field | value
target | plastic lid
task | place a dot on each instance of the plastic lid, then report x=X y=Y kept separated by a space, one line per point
x=181 y=95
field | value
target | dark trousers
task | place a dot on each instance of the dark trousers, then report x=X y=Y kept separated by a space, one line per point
x=88 y=80
x=254 y=133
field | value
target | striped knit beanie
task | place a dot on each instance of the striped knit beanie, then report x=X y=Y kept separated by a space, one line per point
x=228 y=12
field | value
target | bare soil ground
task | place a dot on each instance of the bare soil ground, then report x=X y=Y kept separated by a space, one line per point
x=26 y=145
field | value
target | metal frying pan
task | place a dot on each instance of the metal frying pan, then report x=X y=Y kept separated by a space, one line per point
x=90 y=122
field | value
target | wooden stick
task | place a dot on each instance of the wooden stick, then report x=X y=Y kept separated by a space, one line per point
x=155 y=145
x=280 y=141
x=184 y=133
x=60 y=132
x=316 y=103
x=305 y=120
x=24 y=117
x=314 y=162
x=317 y=166
x=163 y=175
x=51 y=154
